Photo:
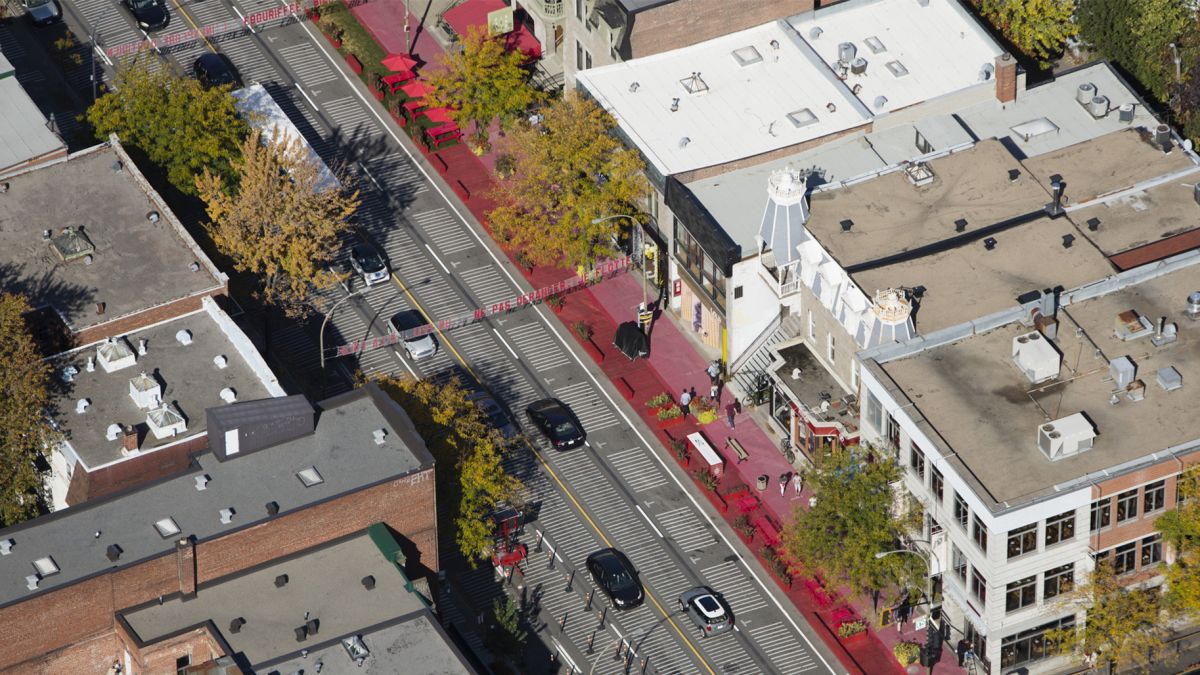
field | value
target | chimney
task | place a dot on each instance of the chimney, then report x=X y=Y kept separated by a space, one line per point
x=1006 y=78
x=185 y=564
x=129 y=439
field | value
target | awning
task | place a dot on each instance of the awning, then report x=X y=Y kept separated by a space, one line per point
x=474 y=13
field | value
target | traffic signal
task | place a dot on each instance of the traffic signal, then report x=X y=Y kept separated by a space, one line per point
x=931 y=653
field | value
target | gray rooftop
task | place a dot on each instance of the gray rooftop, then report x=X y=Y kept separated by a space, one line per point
x=24 y=131
x=136 y=264
x=1142 y=216
x=342 y=450
x=814 y=385
x=971 y=395
x=325 y=582
x=189 y=380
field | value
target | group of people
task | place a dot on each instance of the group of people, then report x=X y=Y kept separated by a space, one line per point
x=716 y=384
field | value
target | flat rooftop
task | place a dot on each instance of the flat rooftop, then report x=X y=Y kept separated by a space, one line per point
x=136 y=264
x=1140 y=217
x=757 y=90
x=988 y=413
x=341 y=449
x=910 y=53
x=189 y=380
x=324 y=583
x=24 y=131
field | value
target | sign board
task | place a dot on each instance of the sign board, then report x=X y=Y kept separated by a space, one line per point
x=500 y=22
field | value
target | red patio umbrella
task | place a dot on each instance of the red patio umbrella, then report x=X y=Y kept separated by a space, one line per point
x=399 y=62
x=416 y=89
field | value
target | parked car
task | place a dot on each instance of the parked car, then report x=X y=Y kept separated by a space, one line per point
x=420 y=346
x=496 y=414
x=43 y=12
x=615 y=575
x=366 y=260
x=213 y=70
x=707 y=609
x=151 y=15
x=557 y=423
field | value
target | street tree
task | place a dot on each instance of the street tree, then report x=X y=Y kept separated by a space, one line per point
x=1039 y=28
x=178 y=125
x=1124 y=627
x=507 y=636
x=482 y=82
x=1159 y=23
x=280 y=221
x=25 y=431
x=472 y=479
x=1106 y=26
x=851 y=521
x=1180 y=528
x=568 y=170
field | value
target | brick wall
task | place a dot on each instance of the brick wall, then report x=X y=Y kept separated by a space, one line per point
x=688 y=22
x=131 y=322
x=132 y=472
x=39 y=631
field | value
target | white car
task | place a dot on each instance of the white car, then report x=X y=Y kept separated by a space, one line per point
x=416 y=333
x=365 y=260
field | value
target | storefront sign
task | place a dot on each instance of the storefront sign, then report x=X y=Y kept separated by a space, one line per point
x=678 y=288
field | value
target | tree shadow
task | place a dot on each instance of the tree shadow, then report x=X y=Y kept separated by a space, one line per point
x=53 y=301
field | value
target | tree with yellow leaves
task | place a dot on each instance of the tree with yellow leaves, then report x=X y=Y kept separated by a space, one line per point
x=568 y=170
x=1180 y=528
x=25 y=431
x=1039 y=28
x=471 y=478
x=481 y=82
x=281 y=222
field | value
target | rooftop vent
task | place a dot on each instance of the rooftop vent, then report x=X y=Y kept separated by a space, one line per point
x=45 y=567
x=310 y=476
x=1036 y=357
x=220 y=361
x=235 y=626
x=228 y=395
x=6 y=546
x=674 y=105
x=368 y=582
x=1169 y=379
x=380 y=436
x=896 y=68
x=847 y=224
x=815 y=32
x=694 y=84
x=919 y=173
x=81 y=406
x=145 y=391
x=72 y=244
x=272 y=508
x=202 y=481
x=880 y=102
x=960 y=225
x=634 y=86
x=166 y=422
x=746 y=56
x=986 y=71
x=184 y=337
x=227 y=515
x=281 y=581
x=858 y=66
x=846 y=52
x=683 y=142
x=115 y=354
x=1066 y=437
x=141 y=348
x=1093 y=224
x=1193 y=306
x=113 y=553
x=356 y=648
x=802 y=118
x=166 y=528
x=831 y=107
x=1129 y=325
x=1068 y=240
x=989 y=243
x=152 y=216
x=1125 y=113
x=1123 y=371
x=113 y=432
x=31 y=582
x=875 y=45
x=1167 y=333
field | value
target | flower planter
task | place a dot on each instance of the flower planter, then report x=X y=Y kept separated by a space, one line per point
x=852 y=639
x=354 y=64
x=378 y=95
x=668 y=423
x=593 y=351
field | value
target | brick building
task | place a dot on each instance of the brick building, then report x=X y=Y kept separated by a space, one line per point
x=280 y=477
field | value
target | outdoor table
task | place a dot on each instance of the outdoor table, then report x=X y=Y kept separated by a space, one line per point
x=715 y=465
x=416 y=89
x=443 y=134
x=438 y=116
x=394 y=82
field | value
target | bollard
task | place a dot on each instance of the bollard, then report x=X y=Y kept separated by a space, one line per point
x=645 y=662
x=617 y=654
x=589 y=599
x=603 y=612
x=550 y=557
x=562 y=623
x=570 y=580
x=537 y=542
x=591 y=641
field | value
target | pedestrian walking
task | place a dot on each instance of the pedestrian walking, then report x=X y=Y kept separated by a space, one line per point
x=783 y=481
x=714 y=372
x=798 y=483
x=961 y=651
x=737 y=406
x=684 y=400
x=729 y=415
x=714 y=392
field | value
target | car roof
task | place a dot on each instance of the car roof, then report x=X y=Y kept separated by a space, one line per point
x=611 y=559
x=409 y=318
x=363 y=250
x=709 y=606
x=210 y=60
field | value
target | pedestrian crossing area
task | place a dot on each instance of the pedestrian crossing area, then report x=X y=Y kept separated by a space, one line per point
x=486 y=284
x=594 y=412
x=311 y=67
x=349 y=117
x=787 y=653
x=735 y=585
x=538 y=348
x=684 y=527
x=636 y=469
x=446 y=230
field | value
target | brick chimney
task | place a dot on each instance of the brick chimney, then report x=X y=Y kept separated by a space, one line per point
x=1006 y=78
x=185 y=562
x=129 y=439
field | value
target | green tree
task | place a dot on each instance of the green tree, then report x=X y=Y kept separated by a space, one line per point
x=25 y=432
x=1180 y=528
x=853 y=520
x=568 y=170
x=1158 y=24
x=1123 y=627
x=507 y=636
x=280 y=222
x=178 y=125
x=1107 y=27
x=481 y=82
x=1039 y=28
x=471 y=477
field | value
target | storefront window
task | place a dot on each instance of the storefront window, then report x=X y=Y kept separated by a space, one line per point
x=1030 y=645
x=874 y=412
x=703 y=270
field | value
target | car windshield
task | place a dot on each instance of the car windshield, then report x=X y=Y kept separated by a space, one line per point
x=564 y=428
x=369 y=260
x=36 y=3
x=620 y=579
x=144 y=4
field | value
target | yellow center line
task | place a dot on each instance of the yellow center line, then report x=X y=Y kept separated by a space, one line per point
x=542 y=460
x=188 y=17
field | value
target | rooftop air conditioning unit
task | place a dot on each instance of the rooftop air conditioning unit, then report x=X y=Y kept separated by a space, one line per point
x=1036 y=357
x=1066 y=437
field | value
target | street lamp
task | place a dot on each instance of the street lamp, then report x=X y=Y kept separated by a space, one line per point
x=884 y=554
x=326 y=321
x=635 y=219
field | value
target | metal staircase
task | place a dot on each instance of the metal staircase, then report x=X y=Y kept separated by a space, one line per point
x=753 y=364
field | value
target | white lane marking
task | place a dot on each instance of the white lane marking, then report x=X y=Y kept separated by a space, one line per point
x=439 y=260
x=541 y=313
x=243 y=18
x=306 y=98
x=652 y=525
x=506 y=345
x=103 y=55
x=405 y=362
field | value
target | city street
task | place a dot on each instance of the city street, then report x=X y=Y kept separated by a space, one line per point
x=617 y=491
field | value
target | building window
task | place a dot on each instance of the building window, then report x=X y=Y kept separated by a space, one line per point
x=936 y=483
x=1060 y=528
x=698 y=265
x=579 y=9
x=961 y=514
x=182 y=663
x=980 y=534
x=1101 y=512
x=1124 y=557
x=1154 y=496
x=737 y=292
x=1022 y=540
x=916 y=461
x=831 y=348
x=587 y=58
x=959 y=561
x=1152 y=549
x=934 y=526
x=812 y=326
x=978 y=586
x=1127 y=505
x=854 y=377
x=1058 y=580
x=1020 y=594
x=1031 y=645
x=578 y=55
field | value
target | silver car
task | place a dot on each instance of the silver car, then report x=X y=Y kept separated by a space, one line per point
x=42 y=12
x=418 y=346
x=365 y=260
x=707 y=609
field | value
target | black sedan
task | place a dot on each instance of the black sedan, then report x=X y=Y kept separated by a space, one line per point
x=151 y=15
x=556 y=422
x=214 y=70
x=614 y=574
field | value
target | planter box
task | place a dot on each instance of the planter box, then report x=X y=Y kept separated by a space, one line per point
x=378 y=95
x=354 y=64
x=667 y=424
x=593 y=351
x=857 y=637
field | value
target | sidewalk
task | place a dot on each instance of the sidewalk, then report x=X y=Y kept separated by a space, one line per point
x=673 y=364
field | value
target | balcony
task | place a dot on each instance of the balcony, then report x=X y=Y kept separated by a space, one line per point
x=785 y=280
x=551 y=9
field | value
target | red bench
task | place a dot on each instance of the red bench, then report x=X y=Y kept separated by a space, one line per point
x=355 y=64
x=397 y=80
x=768 y=530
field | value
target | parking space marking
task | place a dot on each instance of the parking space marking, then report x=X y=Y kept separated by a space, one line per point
x=445 y=230
x=591 y=410
x=781 y=645
x=539 y=348
x=310 y=67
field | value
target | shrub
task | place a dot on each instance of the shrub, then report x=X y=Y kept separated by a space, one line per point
x=670 y=412
x=706 y=416
x=555 y=301
x=906 y=652
x=522 y=258
x=705 y=478
x=505 y=165
x=776 y=564
x=583 y=330
x=742 y=524
x=851 y=628
x=680 y=448
x=659 y=401
x=65 y=43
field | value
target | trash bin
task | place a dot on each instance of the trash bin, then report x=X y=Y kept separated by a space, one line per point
x=761 y=483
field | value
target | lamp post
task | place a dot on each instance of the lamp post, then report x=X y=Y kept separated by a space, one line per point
x=326 y=321
x=597 y=221
x=884 y=554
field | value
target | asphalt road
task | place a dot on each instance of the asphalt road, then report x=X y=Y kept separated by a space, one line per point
x=618 y=491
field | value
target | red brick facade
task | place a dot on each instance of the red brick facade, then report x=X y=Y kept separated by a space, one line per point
x=133 y=471
x=131 y=322
x=77 y=623
x=1006 y=78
